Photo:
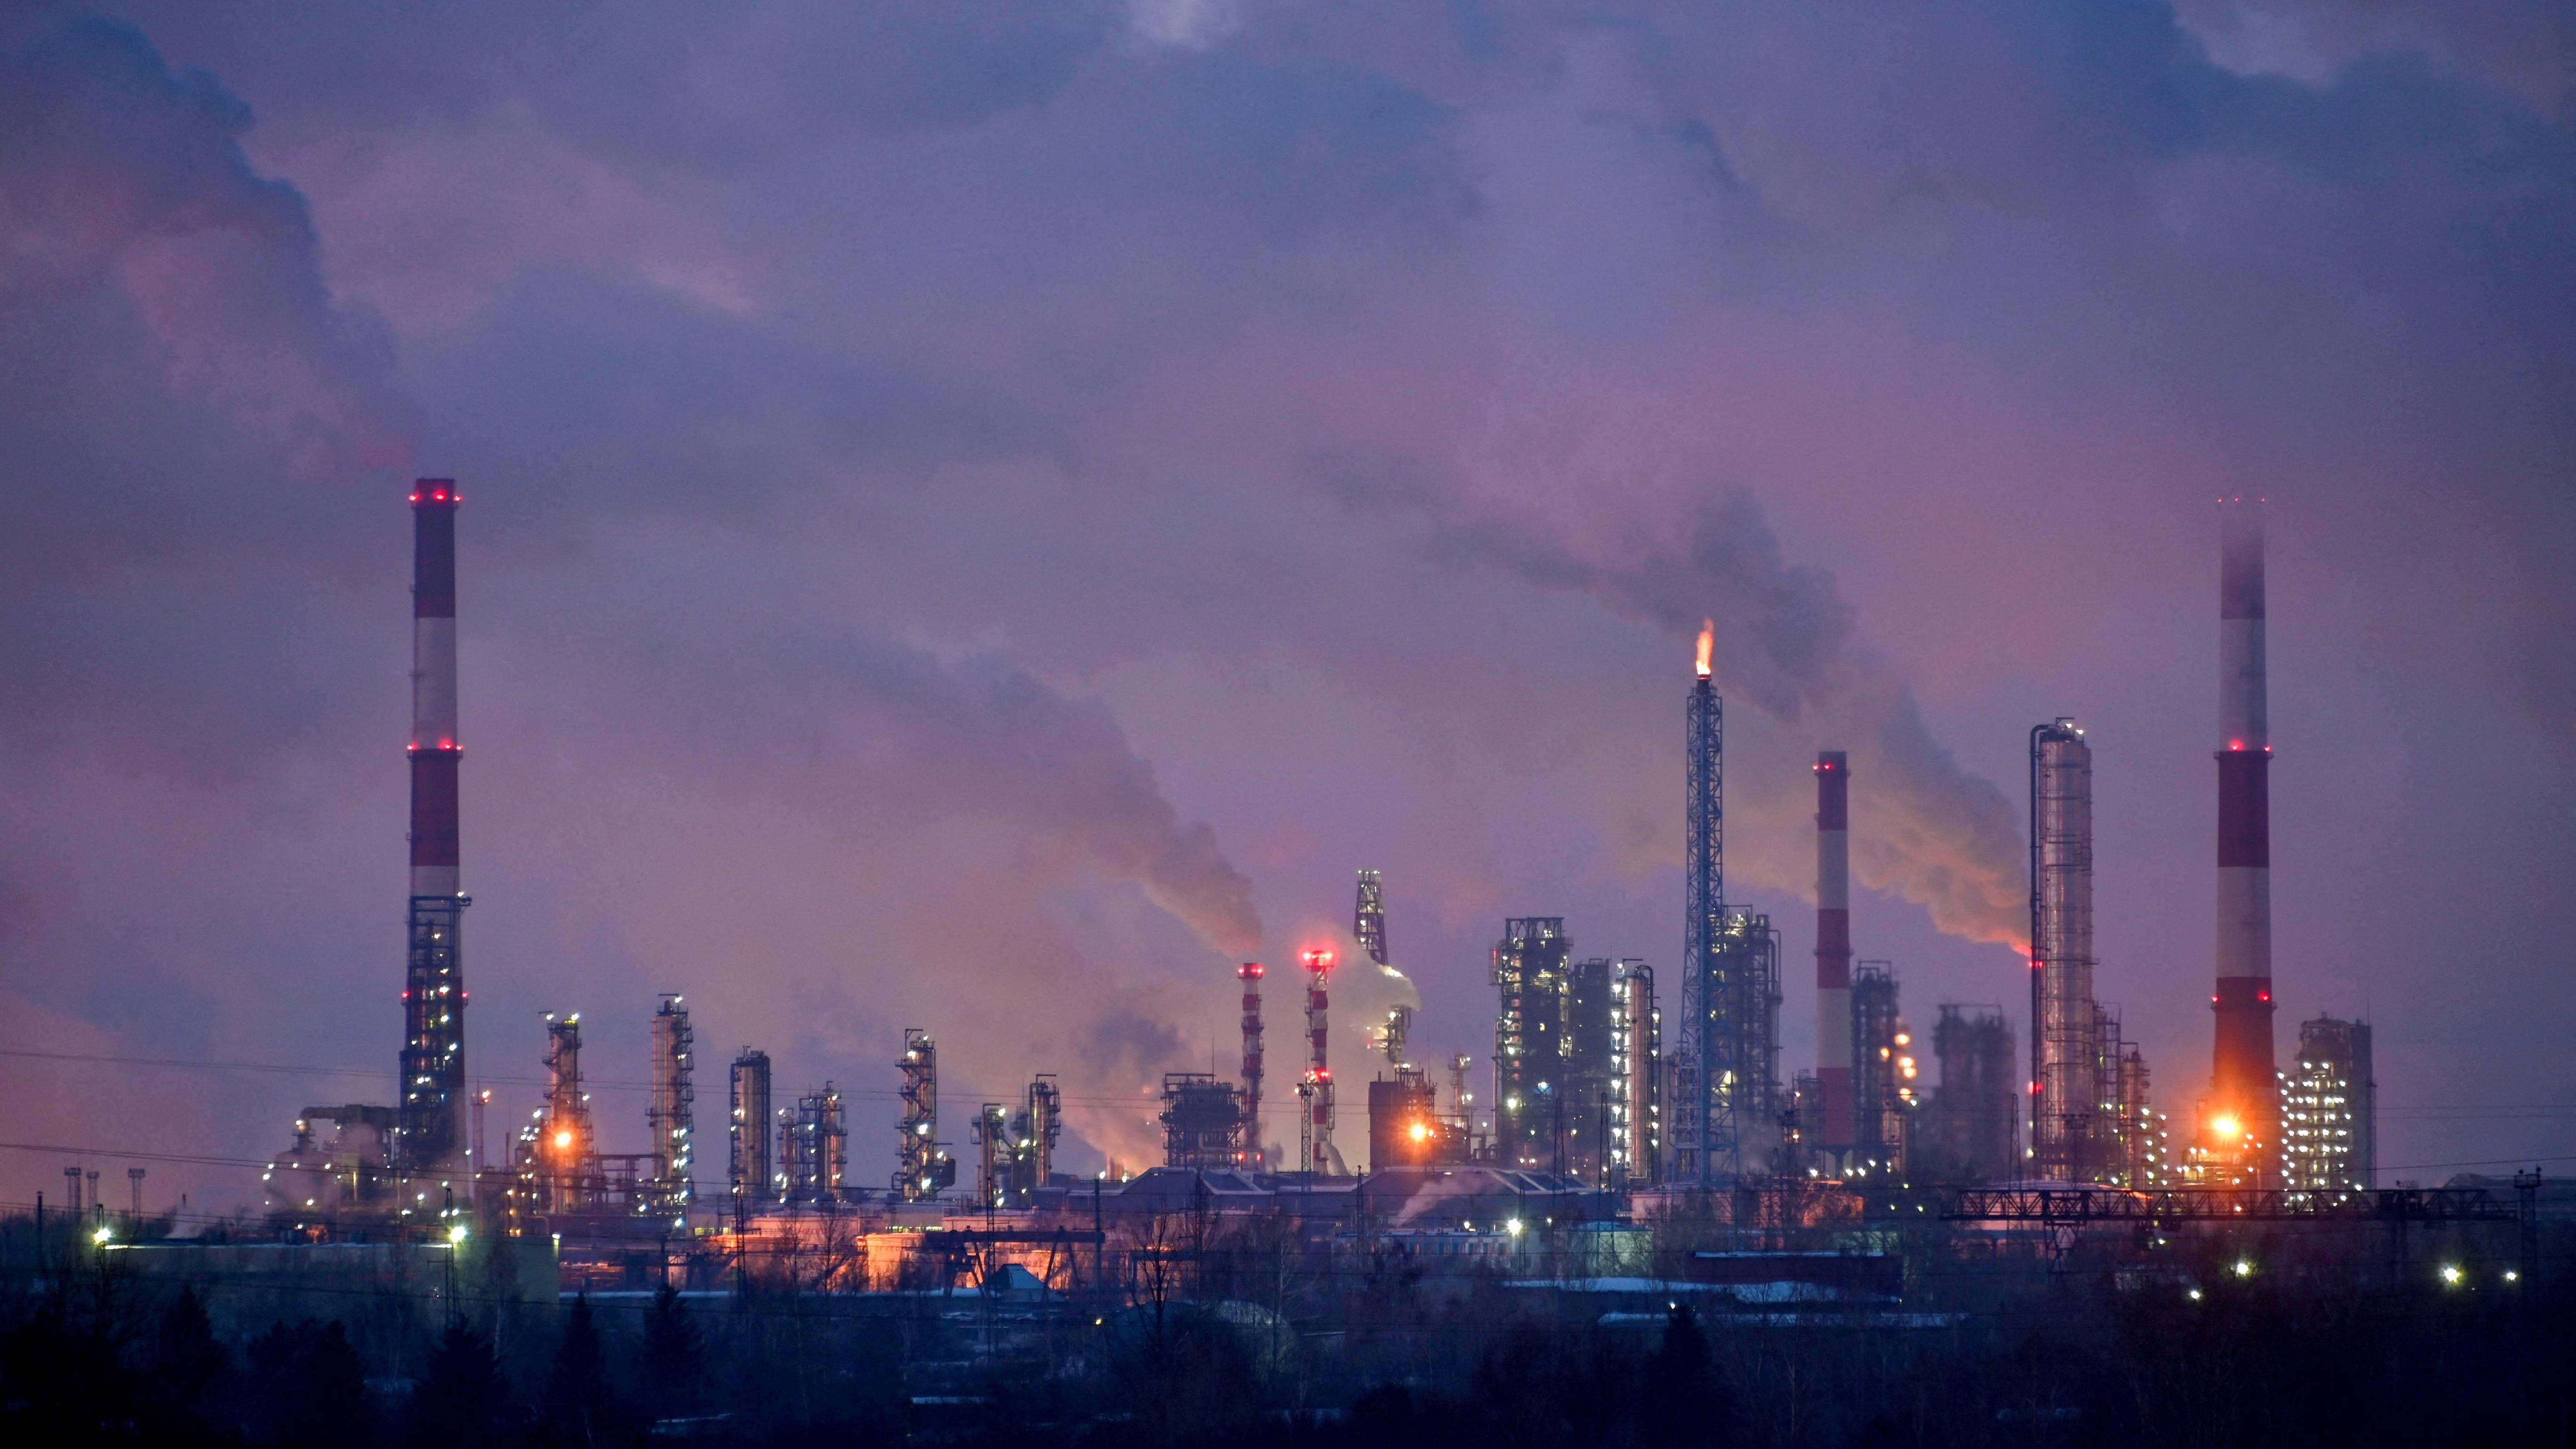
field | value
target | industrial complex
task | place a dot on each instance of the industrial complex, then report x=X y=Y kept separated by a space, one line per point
x=1634 y=1155
x=1616 y=1093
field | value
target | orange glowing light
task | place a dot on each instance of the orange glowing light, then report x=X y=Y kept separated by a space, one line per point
x=563 y=1141
x=2224 y=1126
x=1421 y=1132
x=1707 y=644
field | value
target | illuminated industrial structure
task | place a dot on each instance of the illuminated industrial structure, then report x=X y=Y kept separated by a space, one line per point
x=1636 y=1078
x=1829 y=1124
x=1315 y=1091
x=2330 y=1110
x=1726 y=1118
x=1255 y=1154
x=1368 y=917
x=1530 y=973
x=814 y=1149
x=921 y=1168
x=1967 y=1129
x=752 y=1171
x=1034 y=1134
x=1882 y=1073
x=1405 y=1125
x=992 y=1155
x=430 y=1131
x=2065 y=1051
x=672 y=1117
x=2237 y=1136
x=1202 y=1120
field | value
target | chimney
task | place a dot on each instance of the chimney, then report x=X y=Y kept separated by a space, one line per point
x=1833 y=1130
x=2242 y=1127
x=429 y=1135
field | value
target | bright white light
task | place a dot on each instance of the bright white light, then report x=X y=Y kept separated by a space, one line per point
x=2511 y=1276
x=2244 y=1268
x=2195 y=1295
x=100 y=1237
x=456 y=1234
x=1513 y=1227
x=2451 y=1274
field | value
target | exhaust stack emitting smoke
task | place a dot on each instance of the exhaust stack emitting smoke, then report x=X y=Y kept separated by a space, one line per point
x=1934 y=834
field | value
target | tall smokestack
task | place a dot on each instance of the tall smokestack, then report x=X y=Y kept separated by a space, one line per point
x=430 y=1133
x=1834 y=1130
x=1318 y=1086
x=1254 y=1154
x=2243 y=1124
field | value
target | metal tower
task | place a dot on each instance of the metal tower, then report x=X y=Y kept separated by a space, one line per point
x=753 y=1172
x=2064 y=1049
x=1317 y=1088
x=1255 y=1156
x=673 y=1115
x=1368 y=920
x=1728 y=1117
x=921 y=1171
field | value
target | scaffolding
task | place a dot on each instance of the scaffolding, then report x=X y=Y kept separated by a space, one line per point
x=752 y=1172
x=672 y=1116
x=2065 y=1129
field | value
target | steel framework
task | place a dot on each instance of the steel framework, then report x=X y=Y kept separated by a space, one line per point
x=753 y=1170
x=918 y=1173
x=2222 y=1204
x=1729 y=1072
x=673 y=1115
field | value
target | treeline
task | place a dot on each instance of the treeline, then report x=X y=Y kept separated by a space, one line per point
x=2279 y=1359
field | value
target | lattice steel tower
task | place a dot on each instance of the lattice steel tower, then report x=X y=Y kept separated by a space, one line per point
x=1727 y=1119
x=1368 y=919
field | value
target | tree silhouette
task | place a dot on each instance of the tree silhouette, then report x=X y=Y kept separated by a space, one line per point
x=460 y=1397
x=577 y=1403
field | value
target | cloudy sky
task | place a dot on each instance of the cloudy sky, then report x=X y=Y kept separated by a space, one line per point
x=981 y=516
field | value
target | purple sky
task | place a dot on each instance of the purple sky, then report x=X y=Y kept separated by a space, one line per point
x=980 y=516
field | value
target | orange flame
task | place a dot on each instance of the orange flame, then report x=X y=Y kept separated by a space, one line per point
x=1707 y=644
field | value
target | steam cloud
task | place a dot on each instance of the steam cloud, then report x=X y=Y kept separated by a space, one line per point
x=1932 y=833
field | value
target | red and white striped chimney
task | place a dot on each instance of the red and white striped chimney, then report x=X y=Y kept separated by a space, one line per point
x=2244 y=1092
x=1833 y=1130
x=434 y=747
